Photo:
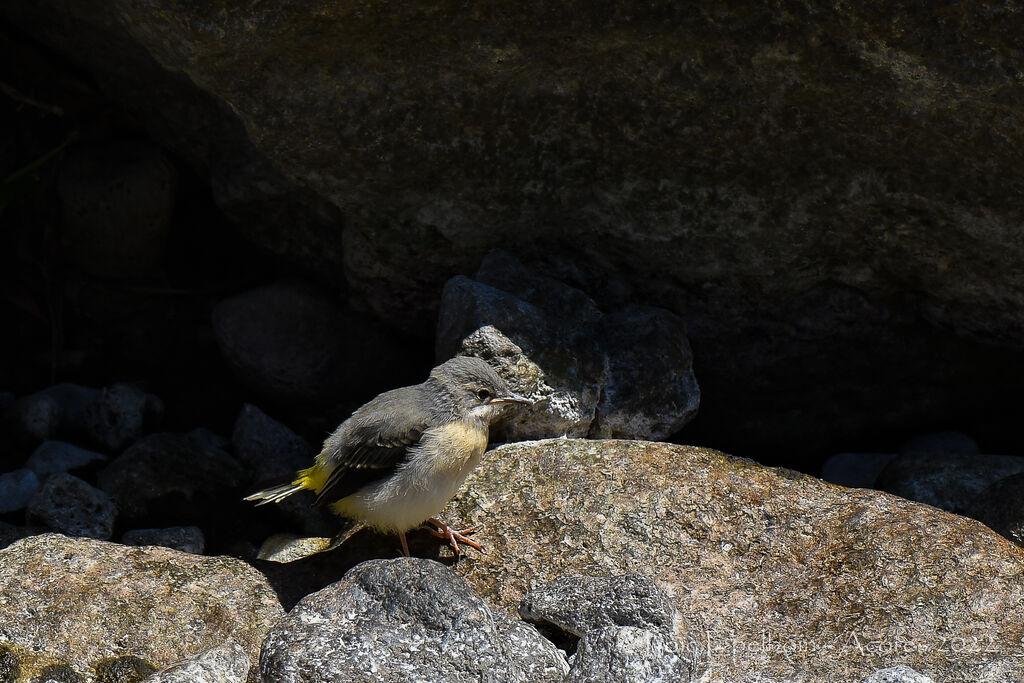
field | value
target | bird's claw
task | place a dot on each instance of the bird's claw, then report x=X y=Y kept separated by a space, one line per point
x=454 y=537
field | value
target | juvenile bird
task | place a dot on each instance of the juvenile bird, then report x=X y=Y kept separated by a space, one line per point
x=399 y=459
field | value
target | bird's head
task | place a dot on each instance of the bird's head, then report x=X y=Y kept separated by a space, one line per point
x=475 y=389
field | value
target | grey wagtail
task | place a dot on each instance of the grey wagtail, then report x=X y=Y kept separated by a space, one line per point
x=399 y=459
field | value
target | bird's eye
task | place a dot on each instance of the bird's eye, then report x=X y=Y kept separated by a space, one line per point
x=483 y=394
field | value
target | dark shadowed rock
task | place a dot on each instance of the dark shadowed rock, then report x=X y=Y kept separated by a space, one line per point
x=628 y=373
x=59 y=456
x=56 y=410
x=17 y=488
x=809 y=581
x=73 y=507
x=951 y=481
x=1001 y=507
x=144 y=608
x=117 y=201
x=293 y=341
x=401 y=620
x=170 y=472
x=120 y=414
x=267 y=447
x=225 y=663
x=856 y=470
x=187 y=539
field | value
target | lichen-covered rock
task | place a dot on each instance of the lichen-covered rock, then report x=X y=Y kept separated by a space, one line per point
x=404 y=620
x=779 y=566
x=89 y=607
x=897 y=674
x=74 y=507
x=628 y=373
x=627 y=654
x=225 y=663
x=579 y=604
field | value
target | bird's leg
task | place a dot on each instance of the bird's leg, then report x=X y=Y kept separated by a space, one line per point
x=454 y=537
x=405 y=544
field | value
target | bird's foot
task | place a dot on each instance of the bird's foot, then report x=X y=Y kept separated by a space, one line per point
x=454 y=537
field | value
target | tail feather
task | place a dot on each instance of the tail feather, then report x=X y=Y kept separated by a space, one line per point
x=275 y=494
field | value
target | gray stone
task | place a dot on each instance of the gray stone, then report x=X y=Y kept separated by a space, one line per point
x=87 y=605
x=225 y=663
x=628 y=373
x=120 y=414
x=1001 y=507
x=187 y=539
x=117 y=201
x=268 y=447
x=56 y=410
x=951 y=481
x=404 y=620
x=53 y=456
x=71 y=506
x=292 y=341
x=773 y=573
x=941 y=442
x=17 y=488
x=897 y=674
x=169 y=469
x=856 y=470
x=626 y=654
x=581 y=604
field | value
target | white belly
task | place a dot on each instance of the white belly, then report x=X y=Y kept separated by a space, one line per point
x=421 y=486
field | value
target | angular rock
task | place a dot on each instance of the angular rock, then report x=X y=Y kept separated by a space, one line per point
x=187 y=539
x=628 y=373
x=169 y=472
x=294 y=342
x=120 y=414
x=626 y=654
x=59 y=456
x=267 y=447
x=225 y=663
x=855 y=470
x=581 y=604
x=897 y=674
x=400 y=620
x=146 y=609
x=73 y=507
x=17 y=488
x=779 y=566
x=951 y=481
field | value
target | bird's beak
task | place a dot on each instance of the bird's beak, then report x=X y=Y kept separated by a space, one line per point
x=513 y=398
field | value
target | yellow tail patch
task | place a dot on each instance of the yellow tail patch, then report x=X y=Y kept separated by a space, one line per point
x=312 y=478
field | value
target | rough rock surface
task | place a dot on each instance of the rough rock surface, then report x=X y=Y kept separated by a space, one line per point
x=807 y=182
x=120 y=414
x=809 y=581
x=404 y=620
x=897 y=674
x=167 y=469
x=144 y=607
x=623 y=374
x=225 y=663
x=951 y=481
x=74 y=507
x=292 y=341
x=626 y=654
